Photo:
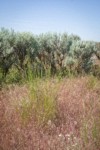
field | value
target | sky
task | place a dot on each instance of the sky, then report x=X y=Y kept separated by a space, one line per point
x=79 y=17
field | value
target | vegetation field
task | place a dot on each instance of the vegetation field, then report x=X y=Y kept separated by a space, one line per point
x=49 y=92
x=51 y=114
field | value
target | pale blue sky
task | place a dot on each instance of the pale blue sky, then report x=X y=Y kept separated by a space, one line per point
x=81 y=17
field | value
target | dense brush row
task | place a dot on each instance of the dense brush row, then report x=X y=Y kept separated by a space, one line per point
x=24 y=54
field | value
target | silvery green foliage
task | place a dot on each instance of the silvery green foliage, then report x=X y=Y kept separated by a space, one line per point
x=82 y=51
x=50 y=50
x=7 y=39
x=69 y=61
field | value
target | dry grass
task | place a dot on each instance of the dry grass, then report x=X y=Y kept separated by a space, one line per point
x=76 y=125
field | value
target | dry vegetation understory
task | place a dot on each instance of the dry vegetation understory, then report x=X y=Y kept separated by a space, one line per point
x=51 y=114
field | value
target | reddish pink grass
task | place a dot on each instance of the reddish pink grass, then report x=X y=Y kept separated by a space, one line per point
x=78 y=111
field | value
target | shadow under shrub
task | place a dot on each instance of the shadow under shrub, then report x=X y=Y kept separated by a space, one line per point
x=14 y=76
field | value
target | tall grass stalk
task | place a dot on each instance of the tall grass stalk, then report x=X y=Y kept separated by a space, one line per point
x=42 y=102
